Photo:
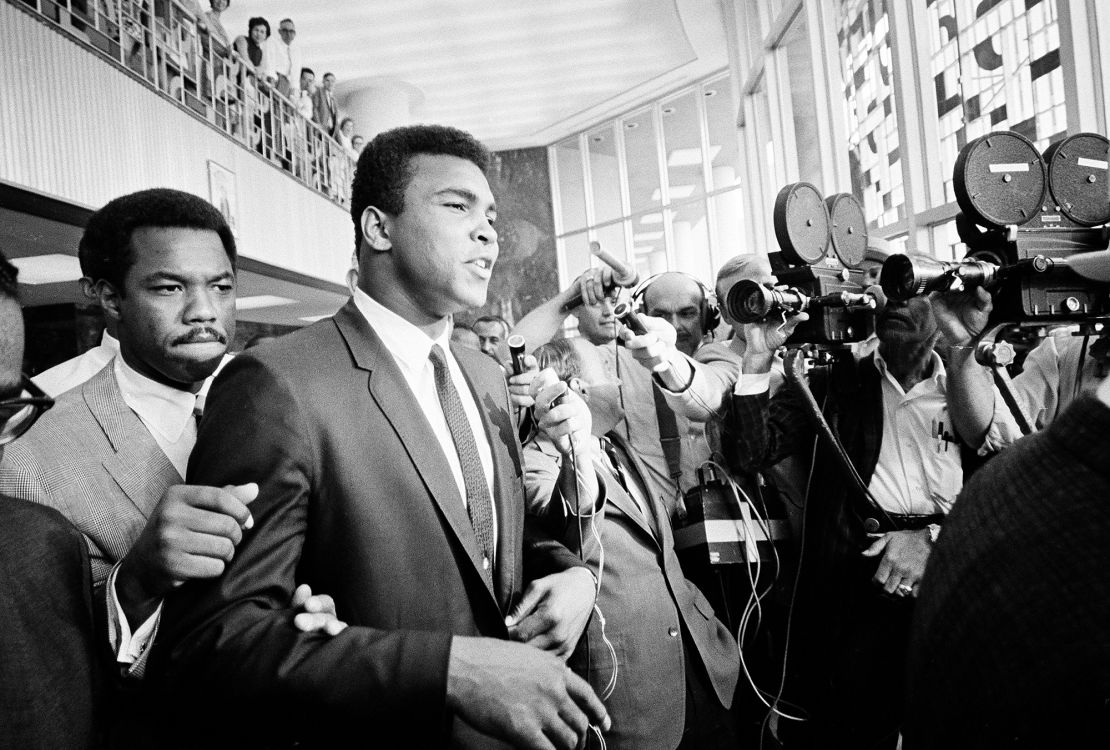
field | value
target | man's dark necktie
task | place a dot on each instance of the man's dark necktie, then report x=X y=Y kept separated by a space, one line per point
x=479 y=504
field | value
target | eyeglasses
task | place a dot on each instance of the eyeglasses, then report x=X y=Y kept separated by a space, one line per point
x=18 y=414
x=287 y=31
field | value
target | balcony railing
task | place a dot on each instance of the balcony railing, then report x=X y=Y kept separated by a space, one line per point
x=162 y=42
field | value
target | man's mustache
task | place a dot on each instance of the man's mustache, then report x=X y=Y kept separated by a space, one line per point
x=201 y=335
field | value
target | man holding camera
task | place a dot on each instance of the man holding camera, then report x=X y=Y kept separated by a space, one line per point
x=869 y=531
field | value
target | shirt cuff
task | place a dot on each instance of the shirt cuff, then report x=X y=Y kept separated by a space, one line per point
x=752 y=384
x=128 y=646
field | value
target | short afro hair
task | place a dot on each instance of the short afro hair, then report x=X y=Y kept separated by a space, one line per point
x=383 y=166
x=105 y=251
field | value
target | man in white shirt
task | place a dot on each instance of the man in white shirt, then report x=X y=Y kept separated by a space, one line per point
x=866 y=544
x=285 y=57
x=111 y=455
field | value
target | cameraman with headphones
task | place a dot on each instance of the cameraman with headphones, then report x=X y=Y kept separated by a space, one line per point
x=662 y=385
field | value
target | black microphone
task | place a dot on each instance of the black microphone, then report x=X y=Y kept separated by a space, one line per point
x=516 y=352
x=630 y=318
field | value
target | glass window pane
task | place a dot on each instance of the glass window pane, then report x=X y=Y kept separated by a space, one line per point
x=649 y=250
x=611 y=239
x=605 y=177
x=799 y=68
x=720 y=114
x=682 y=143
x=572 y=192
x=732 y=237
x=641 y=154
x=576 y=255
x=691 y=241
x=874 y=150
x=946 y=242
x=995 y=66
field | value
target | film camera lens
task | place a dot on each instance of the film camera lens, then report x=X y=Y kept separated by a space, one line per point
x=903 y=277
x=749 y=301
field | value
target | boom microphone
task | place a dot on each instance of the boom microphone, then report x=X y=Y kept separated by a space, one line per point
x=623 y=275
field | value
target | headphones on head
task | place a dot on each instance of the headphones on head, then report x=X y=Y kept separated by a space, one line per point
x=709 y=311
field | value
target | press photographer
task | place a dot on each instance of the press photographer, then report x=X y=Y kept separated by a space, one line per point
x=884 y=490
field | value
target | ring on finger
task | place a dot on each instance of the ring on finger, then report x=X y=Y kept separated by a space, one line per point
x=904 y=589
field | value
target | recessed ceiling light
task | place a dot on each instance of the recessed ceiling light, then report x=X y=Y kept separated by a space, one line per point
x=598 y=138
x=711 y=92
x=632 y=125
x=668 y=110
x=262 y=300
x=52 y=268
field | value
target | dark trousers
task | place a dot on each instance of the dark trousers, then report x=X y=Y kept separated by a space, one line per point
x=709 y=726
x=848 y=670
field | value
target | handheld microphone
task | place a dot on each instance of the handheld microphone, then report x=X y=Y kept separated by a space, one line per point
x=630 y=318
x=516 y=352
x=623 y=275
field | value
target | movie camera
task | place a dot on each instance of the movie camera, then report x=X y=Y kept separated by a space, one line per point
x=822 y=244
x=1034 y=228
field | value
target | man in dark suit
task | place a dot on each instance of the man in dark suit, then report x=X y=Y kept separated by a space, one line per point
x=670 y=677
x=325 y=110
x=389 y=472
x=1009 y=645
x=50 y=684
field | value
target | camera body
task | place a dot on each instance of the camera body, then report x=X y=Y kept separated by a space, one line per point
x=822 y=245
x=1030 y=224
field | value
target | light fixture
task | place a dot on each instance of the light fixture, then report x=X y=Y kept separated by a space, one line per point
x=632 y=125
x=711 y=92
x=52 y=268
x=262 y=300
x=668 y=110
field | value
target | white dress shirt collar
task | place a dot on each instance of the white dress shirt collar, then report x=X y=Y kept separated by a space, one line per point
x=166 y=411
x=936 y=381
x=408 y=344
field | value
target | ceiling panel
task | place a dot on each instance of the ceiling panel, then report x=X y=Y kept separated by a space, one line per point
x=511 y=73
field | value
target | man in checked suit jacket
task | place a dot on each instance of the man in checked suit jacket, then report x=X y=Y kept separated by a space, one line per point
x=163 y=265
x=675 y=665
x=1009 y=645
x=341 y=426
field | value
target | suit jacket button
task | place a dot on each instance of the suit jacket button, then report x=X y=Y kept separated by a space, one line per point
x=485 y=563
x=672 y=632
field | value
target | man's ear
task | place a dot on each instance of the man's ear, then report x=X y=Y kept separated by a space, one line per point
x=375 y=229
x=579 y=386
x=109 y=298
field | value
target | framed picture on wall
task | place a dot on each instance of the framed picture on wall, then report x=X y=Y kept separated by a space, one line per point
x=222 y=193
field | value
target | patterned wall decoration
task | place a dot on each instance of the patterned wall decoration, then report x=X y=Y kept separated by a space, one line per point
x=526 y=273
x=875 y=155
x=995 y=66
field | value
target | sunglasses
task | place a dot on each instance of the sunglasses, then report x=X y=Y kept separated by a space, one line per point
x=18 y=414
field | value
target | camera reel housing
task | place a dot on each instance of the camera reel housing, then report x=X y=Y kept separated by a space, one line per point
x=1017 y=205
x=822 y=244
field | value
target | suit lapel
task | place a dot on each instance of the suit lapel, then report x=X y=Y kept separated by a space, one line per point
x=500 y=433
x=138 y=466
x=396 y=401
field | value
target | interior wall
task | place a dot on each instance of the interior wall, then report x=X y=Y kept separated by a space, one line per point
x=77 y=127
